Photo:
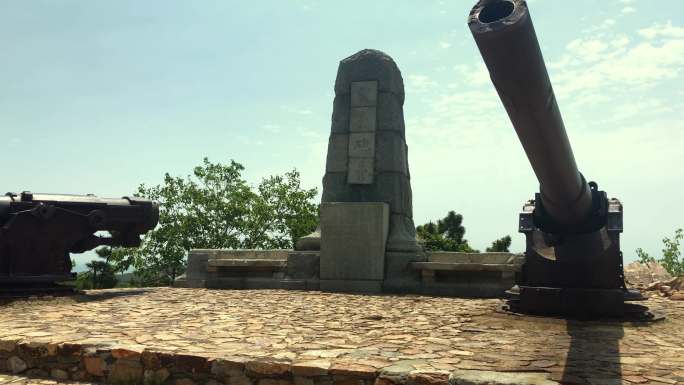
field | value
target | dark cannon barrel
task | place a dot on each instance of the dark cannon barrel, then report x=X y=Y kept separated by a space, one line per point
x=39 y=231
x=506 y=39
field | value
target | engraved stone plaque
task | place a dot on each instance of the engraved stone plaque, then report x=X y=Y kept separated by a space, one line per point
x=360 y=171
x=364 y=94
x=362 y=119
x=362 y=145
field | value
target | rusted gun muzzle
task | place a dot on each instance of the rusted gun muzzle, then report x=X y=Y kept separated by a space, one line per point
x=506 y=39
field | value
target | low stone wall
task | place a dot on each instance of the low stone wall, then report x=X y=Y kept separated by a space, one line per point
x=122 y=366
x=477 y=275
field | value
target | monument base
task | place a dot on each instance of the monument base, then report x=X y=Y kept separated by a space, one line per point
x=470 y=275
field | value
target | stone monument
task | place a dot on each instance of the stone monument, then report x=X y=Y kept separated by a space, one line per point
x=367 y=153
x=366 y=239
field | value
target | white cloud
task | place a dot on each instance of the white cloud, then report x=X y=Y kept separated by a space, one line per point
x=304 y=112
x=420 y=82
x=590 y=49
x=444 y=44
x=593 y=66
x=477 y=75
x=627 y=10
x=666 y=30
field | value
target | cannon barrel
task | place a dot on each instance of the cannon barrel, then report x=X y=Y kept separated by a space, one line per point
x=506 y=39
x=39 y=231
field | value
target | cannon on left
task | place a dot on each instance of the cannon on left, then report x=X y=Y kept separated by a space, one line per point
x=39 y=231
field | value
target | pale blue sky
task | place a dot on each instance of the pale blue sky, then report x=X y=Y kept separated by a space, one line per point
x=100 y=96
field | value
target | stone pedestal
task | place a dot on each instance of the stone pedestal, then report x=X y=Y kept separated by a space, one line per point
x=353 y=237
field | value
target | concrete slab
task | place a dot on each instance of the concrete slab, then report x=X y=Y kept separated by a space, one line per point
x=353 y=239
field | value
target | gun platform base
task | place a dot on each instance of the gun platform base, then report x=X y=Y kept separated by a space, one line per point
x=41 y=285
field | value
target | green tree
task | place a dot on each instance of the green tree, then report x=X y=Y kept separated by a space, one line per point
x=446 y=235
x=500 y=245
x=215 y=208
x=672 y=256
x=101 y=272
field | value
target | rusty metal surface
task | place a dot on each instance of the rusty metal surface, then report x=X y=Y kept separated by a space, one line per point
x=573 y=260
x=38 y=231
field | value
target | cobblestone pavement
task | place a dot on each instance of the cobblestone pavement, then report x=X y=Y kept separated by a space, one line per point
x=357 y=333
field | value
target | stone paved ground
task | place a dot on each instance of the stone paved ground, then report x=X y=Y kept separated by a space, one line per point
x=317 y=334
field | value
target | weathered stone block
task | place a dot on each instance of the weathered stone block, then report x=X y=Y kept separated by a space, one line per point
x=94 y=365
x=59 y=374
x=362 y=145
x=390 y=114
x=312 y=368
x=364 y=94
x=360 y=171
x=268 y=368
x=395 y=189
x=400 y=277
x=362 y=119
x=402 y=236
x=156 y=377
x=390 y=154
x=197 y=265
x=482 y=377
x=341 y=114
x=301 y=265
x=16 y=364
x=338 y=147
x=335 y=188
x=353 y=240
x=125 y=371
x=370 y=64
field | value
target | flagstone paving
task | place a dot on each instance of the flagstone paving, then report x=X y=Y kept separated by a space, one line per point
x=329 y=337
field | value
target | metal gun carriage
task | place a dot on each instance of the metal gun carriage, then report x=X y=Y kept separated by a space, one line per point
x=573 y=261
x=38 y=231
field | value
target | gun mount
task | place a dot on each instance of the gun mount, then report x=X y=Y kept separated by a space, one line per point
x=38 y=231
x=573 y=261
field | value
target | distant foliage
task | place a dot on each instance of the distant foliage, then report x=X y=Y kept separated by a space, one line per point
x=672 y=256
x=215 y=208
x=500 y=245
x=446 y=235
x=101 y=272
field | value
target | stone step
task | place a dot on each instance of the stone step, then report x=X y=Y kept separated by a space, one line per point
x=484 y=258
x=274 y=264
x=242 y=253
x=445 y=266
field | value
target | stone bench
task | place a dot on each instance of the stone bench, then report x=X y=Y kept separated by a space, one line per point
x=214 y=265
x=468 y=274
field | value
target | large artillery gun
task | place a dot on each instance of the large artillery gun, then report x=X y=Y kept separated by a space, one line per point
x=573 y=262
x=39 y=231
